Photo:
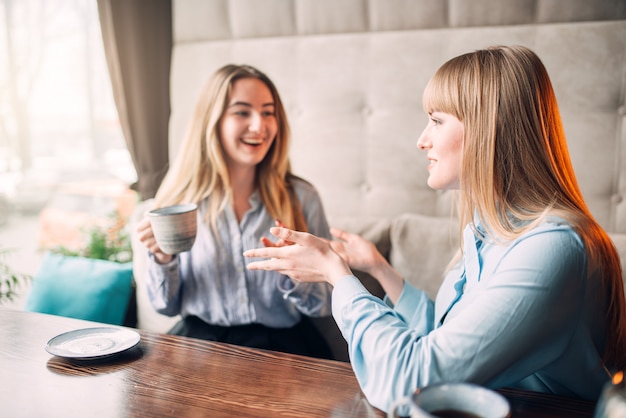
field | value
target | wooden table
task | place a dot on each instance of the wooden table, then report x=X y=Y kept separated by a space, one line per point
x=170 y=376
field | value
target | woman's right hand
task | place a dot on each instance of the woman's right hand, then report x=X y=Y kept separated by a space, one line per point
x=146 y=237
x=358 y=252
x=361 y=254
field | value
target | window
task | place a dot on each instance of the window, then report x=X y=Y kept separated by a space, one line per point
x=58 y=120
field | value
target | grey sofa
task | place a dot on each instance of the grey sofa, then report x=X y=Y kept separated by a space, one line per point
x=352 y=72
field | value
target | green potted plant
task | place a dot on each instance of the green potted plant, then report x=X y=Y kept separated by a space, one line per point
x=110 y=242
x=10 y=280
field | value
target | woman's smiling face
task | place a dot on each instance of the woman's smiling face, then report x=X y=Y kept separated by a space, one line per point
x=248 y=127
x=443 y=140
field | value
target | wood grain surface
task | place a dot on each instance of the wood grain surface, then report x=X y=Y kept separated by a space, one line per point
x=171 y=376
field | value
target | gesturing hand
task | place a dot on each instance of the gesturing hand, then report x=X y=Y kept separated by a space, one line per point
x=280 y=243
x=308 y=259
x=359 y=253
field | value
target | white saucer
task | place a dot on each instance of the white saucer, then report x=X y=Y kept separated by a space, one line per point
x=92 y=343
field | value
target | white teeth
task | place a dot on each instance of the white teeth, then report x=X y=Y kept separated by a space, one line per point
x=252 y=141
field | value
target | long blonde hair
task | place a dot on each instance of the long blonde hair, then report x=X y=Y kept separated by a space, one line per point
x=516 y=168
x=199 y=171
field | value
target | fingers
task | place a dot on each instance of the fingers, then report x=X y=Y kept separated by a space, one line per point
x=340 y=234
x=163 y=258
x=146 y=237
x=338 y=247
x=280 y=242
x=269 y=264
x=280 y=265
x=264 y=252
x=287 y=267
x=143 y=226
x=287 y=238
x=268 y=243
x=272 y=265
x=290 y=236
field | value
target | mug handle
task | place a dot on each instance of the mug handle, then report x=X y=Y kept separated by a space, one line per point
x=393 y=411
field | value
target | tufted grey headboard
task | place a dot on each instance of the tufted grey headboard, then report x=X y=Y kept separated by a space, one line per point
x=352 y=72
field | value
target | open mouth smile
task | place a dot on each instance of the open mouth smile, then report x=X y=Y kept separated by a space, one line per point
x=252 y=141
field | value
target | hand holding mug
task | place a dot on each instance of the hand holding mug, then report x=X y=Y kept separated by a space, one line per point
x=169 y=230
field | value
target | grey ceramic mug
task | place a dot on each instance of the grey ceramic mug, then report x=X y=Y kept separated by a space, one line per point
x=175 y=227
x=452 y=400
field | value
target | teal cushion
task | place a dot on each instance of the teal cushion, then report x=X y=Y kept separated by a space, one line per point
x=83 y=288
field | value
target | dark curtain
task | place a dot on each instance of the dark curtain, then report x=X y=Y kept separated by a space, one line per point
x=137 y=36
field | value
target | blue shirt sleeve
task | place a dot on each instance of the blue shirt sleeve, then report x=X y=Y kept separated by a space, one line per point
x=515 y=316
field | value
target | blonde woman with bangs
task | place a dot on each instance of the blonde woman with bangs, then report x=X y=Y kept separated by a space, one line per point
x=234 y=164
x=534 y=298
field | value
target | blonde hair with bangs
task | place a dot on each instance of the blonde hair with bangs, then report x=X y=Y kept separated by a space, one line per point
x=516 y=169
x=199 y=170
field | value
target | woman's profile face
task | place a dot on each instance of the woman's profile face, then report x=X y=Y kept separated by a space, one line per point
x=248 y=127
x=443 y=140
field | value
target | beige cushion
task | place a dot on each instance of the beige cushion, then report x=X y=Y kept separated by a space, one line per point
x=421 y=248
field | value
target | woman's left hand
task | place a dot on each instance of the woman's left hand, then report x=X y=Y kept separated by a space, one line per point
x=308 y=259
x=280 y=243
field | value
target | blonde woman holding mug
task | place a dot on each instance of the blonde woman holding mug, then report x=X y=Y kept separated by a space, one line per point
x=234 y=164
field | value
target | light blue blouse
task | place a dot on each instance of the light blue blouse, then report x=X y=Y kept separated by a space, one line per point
x=212 y=282
x=522 y=315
